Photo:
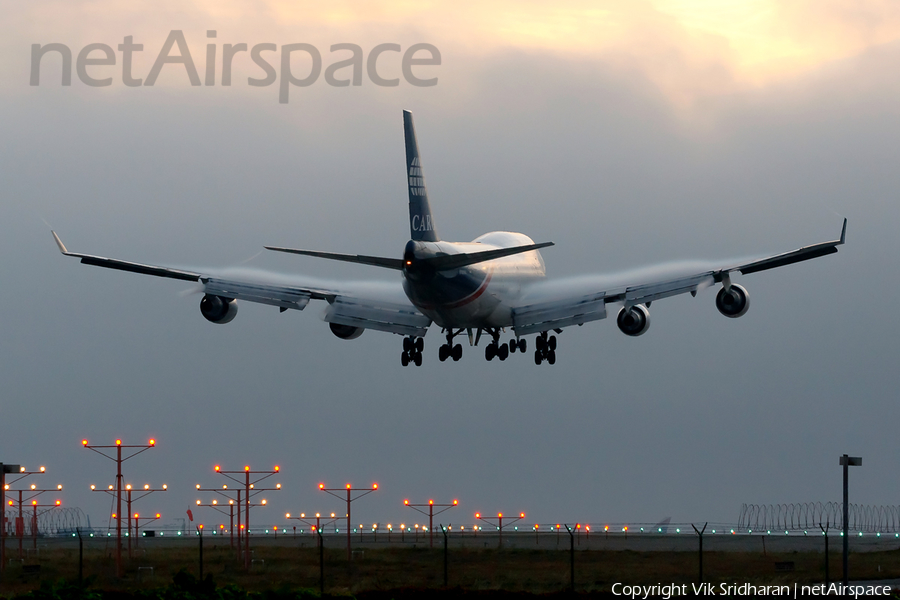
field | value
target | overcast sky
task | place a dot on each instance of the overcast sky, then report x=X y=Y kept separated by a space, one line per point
x=627 y=133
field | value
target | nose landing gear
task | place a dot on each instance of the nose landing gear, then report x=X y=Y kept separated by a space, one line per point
x=412 y=351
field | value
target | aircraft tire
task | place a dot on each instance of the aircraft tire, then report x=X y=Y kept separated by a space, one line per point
x=456 y=353
x=418 y=359
x=404 y=358
x=443 y=352
x=537 y=357
x=406 y=344
x=503 y=352
x=551 y=357
x=489 y=352
x=540 y=343
x=552 y=343
x=523 y=346
x=420 y=344
x=512 y=346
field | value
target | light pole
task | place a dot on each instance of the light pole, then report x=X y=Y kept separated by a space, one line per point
x=250 y=490
x=350 y=498
x=120 y=484
x=431 y=505
x=4 y=471
x=317 y=526
x=499 y=525
x=847 y=462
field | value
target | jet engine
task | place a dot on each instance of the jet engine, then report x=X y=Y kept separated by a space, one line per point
x=217 y=309
x=733 y=303
x=346 y=332
x=634 y=321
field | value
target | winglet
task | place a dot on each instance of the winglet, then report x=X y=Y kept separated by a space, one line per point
x=62 y=247
x=843 y=232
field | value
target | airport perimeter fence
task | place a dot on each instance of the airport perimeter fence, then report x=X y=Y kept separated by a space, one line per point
x=811 y=515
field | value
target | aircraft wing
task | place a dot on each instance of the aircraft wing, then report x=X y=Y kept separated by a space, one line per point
x=347 y=306
x=552 y=310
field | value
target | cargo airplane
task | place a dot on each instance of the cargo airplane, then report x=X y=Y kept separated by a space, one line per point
x=483 y=287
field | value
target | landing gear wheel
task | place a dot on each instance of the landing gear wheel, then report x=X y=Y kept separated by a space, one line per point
x=443 y=352
x=512 y=345
x=522 y=346
x=503 y=352
x=404 y=358
x=456 y=353
x=420 y=344
x=490 y=351
x=537 y=357
x=552 y=343
x=407 y=344
x=551 y=356
x=418 y=359
x=540 y=343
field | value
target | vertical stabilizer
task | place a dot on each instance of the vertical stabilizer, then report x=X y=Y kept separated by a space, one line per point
x=421 y=223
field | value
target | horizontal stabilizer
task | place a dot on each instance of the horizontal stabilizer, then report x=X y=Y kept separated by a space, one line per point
x=375 y=261
x=456 y=261
x=447 y=262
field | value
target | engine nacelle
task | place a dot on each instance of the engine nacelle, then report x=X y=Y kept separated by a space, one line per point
x=733 y=303
x=217 y=309
x=346 y=332
x=634 y=321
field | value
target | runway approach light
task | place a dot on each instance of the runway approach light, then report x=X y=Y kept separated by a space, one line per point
x=43 y=469
x=217 y=468
x=84 y=442
x=118 y=442
x=152 y=442
x=321 y=486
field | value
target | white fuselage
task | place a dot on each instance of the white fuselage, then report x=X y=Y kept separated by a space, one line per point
x=480 y=295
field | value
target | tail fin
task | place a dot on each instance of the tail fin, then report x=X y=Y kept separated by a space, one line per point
x=421 y=223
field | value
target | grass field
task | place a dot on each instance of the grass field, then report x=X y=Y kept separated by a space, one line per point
x=385 y=567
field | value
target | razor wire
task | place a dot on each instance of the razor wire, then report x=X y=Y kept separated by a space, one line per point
x=810 y=515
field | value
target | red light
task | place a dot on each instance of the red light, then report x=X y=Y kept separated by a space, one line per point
x=157 y=515
x=58 y=502
x=348 y=486
x=276 y=468
x=455 y=502
x=500 y=515
x=84 y=442
x=521 y=515
x=152 y=442
x=477 y=515
x=118 y=442
x=374 y=486
x=321 y=486
x=247 y=468
x=200 y=526
x=34 y=501
x=431 y=502
x=406 y=502
x=217 y=468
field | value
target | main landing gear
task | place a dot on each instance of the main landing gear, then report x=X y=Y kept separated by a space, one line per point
x=412 y=351
x=503 y=350
x=448 y=350
x=546 y=349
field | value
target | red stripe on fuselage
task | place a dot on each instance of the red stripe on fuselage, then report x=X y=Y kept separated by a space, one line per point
x=474 y=295
x=468 y=299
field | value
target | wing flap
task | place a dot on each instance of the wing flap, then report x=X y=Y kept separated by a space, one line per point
x=392 y=318
x=641 y=294
x=558 y=314
x=264 y=294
